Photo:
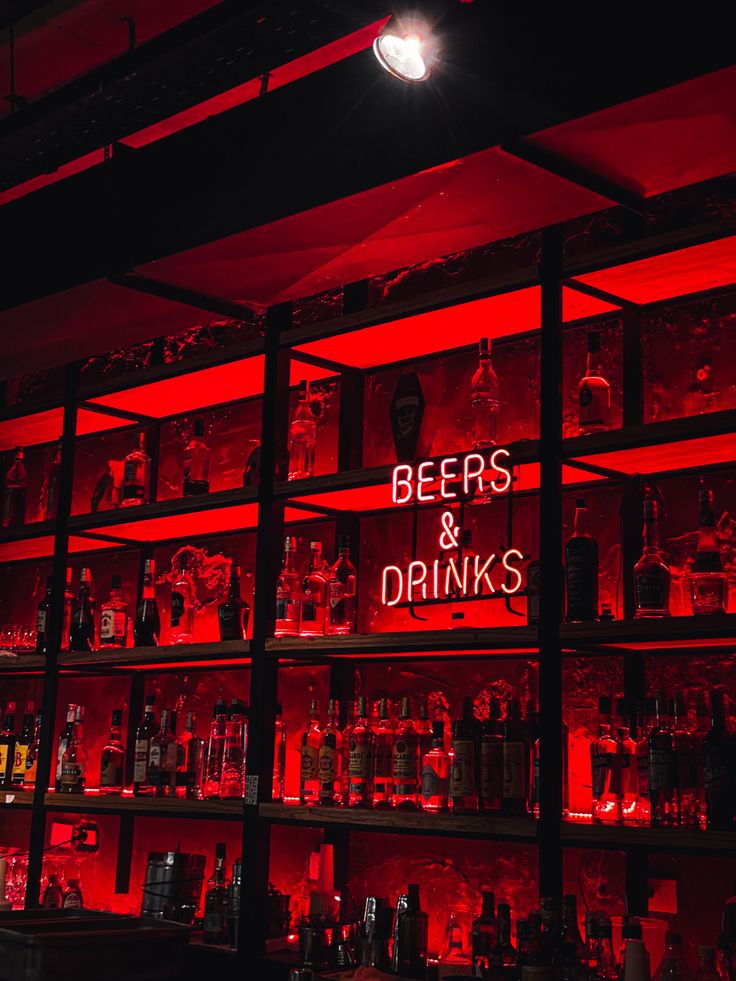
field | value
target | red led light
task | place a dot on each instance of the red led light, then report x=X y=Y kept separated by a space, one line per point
x=687 y=453
x=46 y=427
x=237 y=517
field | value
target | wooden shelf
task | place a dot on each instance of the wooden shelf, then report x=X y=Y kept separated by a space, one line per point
x=21 y=663
x=229 y=810
x=481 y=826
x=16 y=798
x=666 y=635
x=223 y=651
x=661 y=839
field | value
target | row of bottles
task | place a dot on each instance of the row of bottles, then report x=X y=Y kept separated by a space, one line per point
x=19 y=747
x=407 y=763
x=663 y=765
x=322 y=600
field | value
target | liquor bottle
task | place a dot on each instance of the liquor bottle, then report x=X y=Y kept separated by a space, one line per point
x=532 y=741
x=82 y=627
x=572 y=947
x=605 y=968
x=673 y=966
x=424 y=728
x=73 y=898
x=594 y=392
x=233 y=614
x=313 y=596
x=436 y=773
x=330 y=758
x=702 y=727
x=706 y=964
x=182 y=605
x=197 y=463
x=68 y=607
x=454 y=946
x=309 y=784
x=383 y=757
x=708 y=583
x=725 y=958
x=405 y=760
x=214 y=924
x=646 y=714
x=409 y=958
x=64 y=736
x=484 y=399
x=43 y=619
x=136 y=474
x=22 y=745
x=112 y=761
x=147 y=626
x=302 y=436
x=189 y=760
x=287 y=594
x=7 y=746
x=686 y=777
x=342 y=591
x=74 y=761
x=360 y=766
x=162 y=755
x=465 y=761
x=484 y=936
x=143 y=736
x=232 y=778
x=14 y=492
x=31 y=774
x=504 y=956
x=605 y=768
x=215 y=749
x=626 y=749
x=651 y=572
x=252 y=469
x=581 y=569
x=491 y=760
x=279 y=754
x=50 y=490
x=515 y=761
x=662 y=766
x=114 y=617
x=53 y=894
x=718 y=768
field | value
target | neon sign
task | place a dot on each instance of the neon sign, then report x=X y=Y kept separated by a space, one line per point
x=453 y=578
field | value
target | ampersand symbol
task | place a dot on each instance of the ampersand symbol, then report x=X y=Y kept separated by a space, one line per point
x=449 y=537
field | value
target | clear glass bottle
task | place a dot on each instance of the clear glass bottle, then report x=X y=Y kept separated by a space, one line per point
x=143 y=736
x=279 y=754
x=606 y=968
x=454 y=946
x=82 y=626
x=136 y=474
x=313 y=596
x=581 y=569
x=114 y=617
x=233 y=614
x=61 y=745
x=14 y=492
x=162 y=757
x=189 y=760
x=383 y=757
x=182 y=605
x=74 y=762
x=287 y=594
x=651 y=572
x=43 y=619
x=342 y=591
x=309 y=783
x=605 y=766
x=626 y=744
x=484 y=936
x=361 y=758
x=484 y=399
x=465 y=761
x=112 y=760
x=147 y=625
x=215 y=749
x=708 y=582
x=197 y=463
x=215 y=922
x=435 y=794
x=594 y=392
x=232 y=779
x=405 y=761
x=302 y=436
x=330 y=758
x=673 y=966
x=662 y=766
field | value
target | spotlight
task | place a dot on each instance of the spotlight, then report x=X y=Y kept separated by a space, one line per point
x=406 y=49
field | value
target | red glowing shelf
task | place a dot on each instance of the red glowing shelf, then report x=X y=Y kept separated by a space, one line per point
x=228 y=653
x=46 y=427
x=668 y=635
x=42 y=547
x=172 y=807
x=421 y=334
x=661 y=839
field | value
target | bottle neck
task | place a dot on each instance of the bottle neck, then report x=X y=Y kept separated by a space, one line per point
x=581 y=523
x=315 y=562
x=593 y=363
x=234 y=587
x=651 y=531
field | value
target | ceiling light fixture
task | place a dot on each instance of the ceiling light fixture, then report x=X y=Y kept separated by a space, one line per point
x=406 y=49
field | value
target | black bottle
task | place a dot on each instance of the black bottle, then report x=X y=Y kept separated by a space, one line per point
x=465 y=774
x=410 y=944
x=234 y=612
x=581 y=569
x=147 y=625
x=719 y=769
x=43 y=619
x=82 y=626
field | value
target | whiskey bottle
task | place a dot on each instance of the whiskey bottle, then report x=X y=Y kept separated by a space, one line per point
x=189 y=760
x=197 y=463
x=718 y=769
x=605 y=766
x=383 y=758
x=144 y=734
x=465 y=761
x=232 y=778
x=409 y=955
x=14 y=492
x=341 y=591
x=436 y=773
x=62 y=743
x=136 y=474
x=361 y=760
x=114 y=617
x=82 y=626
x=313 y=595
x=484 y=399
x=491 y=760
x=279 y=754
x=215 y=750
x=232 y=615
x=651 y=572
x=31 y=775
x=594 y=392
x=214 y=924
x=68 y=607
x=708 y=583
x=662 y=766
x=302 y=436
x=182 y=605
x=484 y=936
x=330 y=758
x=22 y=745
x=405 y=761
x=7 y=746
x=309 y=784
x=74 y=761
x=147 y=625
x=581 y=569
x=43 y=619
x=112 y=760
x=504 y=956
x=162 y=755
x=287 y=594
x=515 y=761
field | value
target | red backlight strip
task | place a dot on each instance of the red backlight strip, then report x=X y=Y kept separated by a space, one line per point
x=690 y=270
x=437 y=330
x=236 y=517
x=46 y=427
x=43 y=547
x=704 y=452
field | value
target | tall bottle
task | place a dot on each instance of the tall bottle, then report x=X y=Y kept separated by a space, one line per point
x=182 y=605
x=82 y=626
x=330 y=758
x=662 y=766
x=43 y=619
x=342 y=591
x=383 y=757
x=279 y=754
x=22 y=745
x=424 y=728
x=515 y=761
x=309 y=783
x=605 y=968
x=651 y=572
x=605 y=767
x=626 y=746
x=465 y=761
x=436 y=773
x=197 y=463
x=31 y=775
x=302 y=436
x=718 y=769
x=147 y=626
x=7 y=746
x=232 y=779
x=214 y=924
x=581 y=569
x=62 y=743
x=594 y=392
x=504 y=956
x=114 y=617
x=360 y=760
x=233 y=614
x=143 y=736
x=484 y=399
x=405 y=761
x=162 y=755
x=68 y=607
x=287 y=594
x=112 y=761
x=484 y=936
x=686 y=774
x=215 y=749
x=189 y=760
x=708 y=582
x=14 y=492
x=136 y=474
x=491 y=760
x=313 y=595
x=74 y=763
x=410 y=946
x=644 y=807
x=572 y=948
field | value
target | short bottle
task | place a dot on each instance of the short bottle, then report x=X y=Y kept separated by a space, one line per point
x=14 y=492
x=405 y=761
x=594 y=391
x=82 y=626
x=22 y=744
x=74 y=763
x=309 y=783
x=73 y=898
x=454 y=951
x=182 y=605
x=708 y=582
x=232 y=778
x=464 y=774
x=114 y=617
x=31 y=774
x=484 y=399
x=53 y=894
x=7 y=746
x=215 y=923
x=142 y=750
x=581 y=569
x=136 y=474
x=112 y=761
x=361 y=759
x=43 y=619
x=342 y=588
x=215 y=750
x=233 y=614
x=287 y=594
x=330 y=758
x=313 y=595
x=651 y=572
x=147 y=625
x=302 y=436
x=435 y=793
x=197 y=463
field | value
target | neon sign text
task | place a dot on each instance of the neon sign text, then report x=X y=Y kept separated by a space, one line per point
x=410 y=483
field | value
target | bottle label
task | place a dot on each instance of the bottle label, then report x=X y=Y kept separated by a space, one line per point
x=110 y=774
x=404 y=767
x=360 y=766
x=433 y=785
x=642 y=766
x=140 y=766
x=53 y=898
x=600 y=764
x=686 y=772
x=308 y=768
x=284 y=605
x=593 y=403
x=513 y=770
x=650 y=591
x=19 y=762
x=5 y=760
x=72 y=900
x=59 y=756
x=582 y=585
x=71 y=777
x=309 y=607
x=41 y=618
x=491 y=769
x=113 y=624
x=660 y=770
x=715 y=779
x=31 y=768
x=215 y=920
x=177 y=608
x=328 y=764
x=462 y=783
x=337 y=593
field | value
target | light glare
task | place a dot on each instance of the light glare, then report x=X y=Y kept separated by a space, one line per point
x=402 y=56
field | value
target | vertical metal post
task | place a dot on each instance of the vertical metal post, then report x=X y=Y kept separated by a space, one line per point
x=550 y=552
x=350 y=429
x=51 y=678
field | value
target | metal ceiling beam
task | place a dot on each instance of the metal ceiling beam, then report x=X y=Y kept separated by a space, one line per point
x=179 y=294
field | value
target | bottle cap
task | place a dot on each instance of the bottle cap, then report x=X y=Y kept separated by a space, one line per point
x=220 y=708
x=117 y=717
x=316 y=546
